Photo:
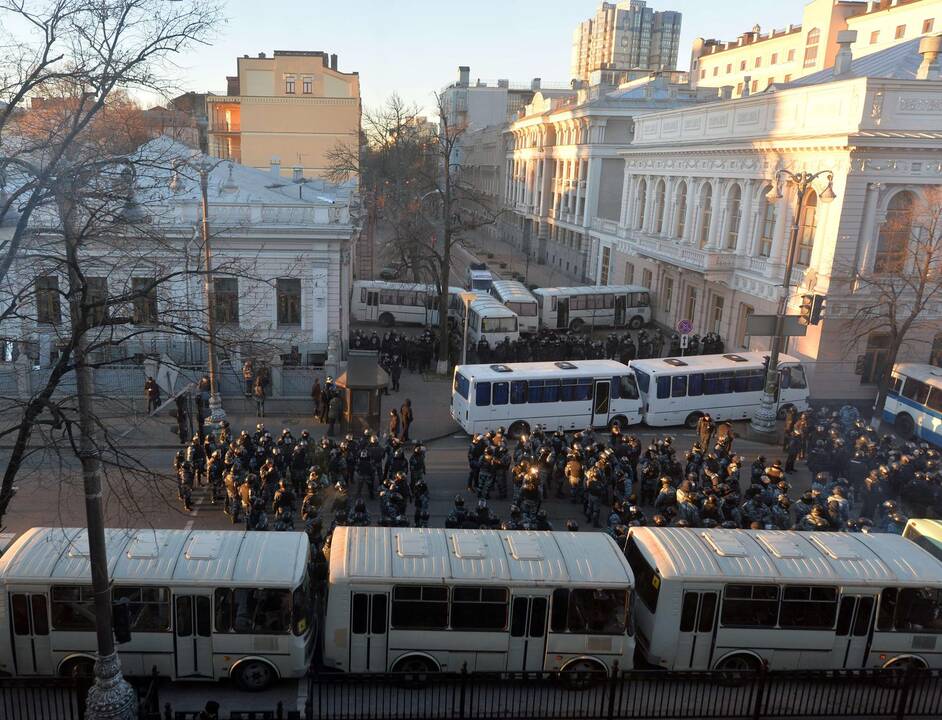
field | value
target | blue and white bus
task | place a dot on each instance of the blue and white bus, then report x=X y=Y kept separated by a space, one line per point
x=914 y=402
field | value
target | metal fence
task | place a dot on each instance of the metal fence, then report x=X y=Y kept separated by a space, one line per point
x=42 y=698
x=635 y=694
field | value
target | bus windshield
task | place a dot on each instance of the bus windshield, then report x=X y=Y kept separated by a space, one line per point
x=499 y=325
x=931 y=545
x=462 y=385
x=793 y=378
x=644 y=381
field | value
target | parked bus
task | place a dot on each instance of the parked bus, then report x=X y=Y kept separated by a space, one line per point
x=203 y=605
x=515 y=296
x=593 y=306
x=478 y=278
x=389 y=303
x=927 y=534
x=744 y=599
x=728 y=387
x=488 y=319
x=914 y=402
x=427 y=600
x=559 y=395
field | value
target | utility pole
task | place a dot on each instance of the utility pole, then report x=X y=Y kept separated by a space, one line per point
x=763 y=425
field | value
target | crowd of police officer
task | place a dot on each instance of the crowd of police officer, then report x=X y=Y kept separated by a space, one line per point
x=861 y=482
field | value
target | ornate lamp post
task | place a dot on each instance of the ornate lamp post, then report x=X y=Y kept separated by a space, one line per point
x=763 y=420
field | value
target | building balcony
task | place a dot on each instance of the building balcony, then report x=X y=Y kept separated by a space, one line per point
x=714 y=263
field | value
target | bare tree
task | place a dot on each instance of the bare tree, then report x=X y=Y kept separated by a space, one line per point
x=895 y=298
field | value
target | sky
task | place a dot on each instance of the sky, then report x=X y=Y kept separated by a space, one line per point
x=414 y=47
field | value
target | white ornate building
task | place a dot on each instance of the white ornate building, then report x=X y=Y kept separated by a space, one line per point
x=694 y=223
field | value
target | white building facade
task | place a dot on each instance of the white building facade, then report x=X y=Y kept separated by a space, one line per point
x=695 y=224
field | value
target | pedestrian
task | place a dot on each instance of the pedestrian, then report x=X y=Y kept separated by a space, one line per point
x=395 y=372
x=182 y=418
x=152 y=393
x=393 y=423
x=248 y=375
x=334 y=412
x=210 y=711
x=317 y=396
x=258 y=392
x=406 y=418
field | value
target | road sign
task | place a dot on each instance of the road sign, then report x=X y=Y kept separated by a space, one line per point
x=684 y=341
x=684 y=327
x=764 y=326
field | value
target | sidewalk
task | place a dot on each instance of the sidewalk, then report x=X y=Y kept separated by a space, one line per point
x=430 y=395
x=478 y=244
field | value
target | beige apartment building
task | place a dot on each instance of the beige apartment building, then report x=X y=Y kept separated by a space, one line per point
x=756 y=59
x=286 y=112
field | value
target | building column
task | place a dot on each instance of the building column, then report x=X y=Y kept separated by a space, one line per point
x=649 y=204
x=594 y=172
x=745 y=210
x=668 y=223
x=868 y=228
x=626 y=189
x=717 y=216
x=693 y=202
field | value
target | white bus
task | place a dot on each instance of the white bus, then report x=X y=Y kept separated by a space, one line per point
x=741 y=599
x=927 y=534
x=488 y=319
x=594 y=306
x=560 y=395
x=203 y=605
x=478 y=278
x=728 y=387
x=914 y=402
x=431 y=599
x=514 y=295
x=389 y=303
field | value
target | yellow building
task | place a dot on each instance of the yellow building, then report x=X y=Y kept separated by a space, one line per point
x=758 y=59
x=284 y=112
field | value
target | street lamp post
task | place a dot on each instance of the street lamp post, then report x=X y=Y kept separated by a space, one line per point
x=216 y=412
x=765 y=416
x=467 y=298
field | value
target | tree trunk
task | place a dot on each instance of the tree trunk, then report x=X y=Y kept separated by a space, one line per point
x=876 y=414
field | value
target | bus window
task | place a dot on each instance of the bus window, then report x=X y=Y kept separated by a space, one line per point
x=609 y=301
x=583 y=389
x=482 y=394
x=663 y=387
x=597 y=612
x=916 y=391
x=518 y=392
x=560 y=610
x=911 y=610
x=500 y=393
x=647 y=581
x=808 y=607
x=639 y=299
x=679 y=386
x=644 y=381
x=628 y=389
x=935 y=400
x=896 y=383
x=73 y=607
x=748 y=380
x=253 y=610
x=750 y=605
x=149 y=607
x=535 y=391
x=718 y=383
x=567 y=390
x=551 y=391
x=793 y=378
x=462 y=385
x=695 y=385
x=478 y=608
x=420 y=607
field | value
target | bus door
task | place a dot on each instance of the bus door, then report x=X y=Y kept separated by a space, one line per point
x=527 y=634
x=368 y=625
x=372 y=304
x=697 y=623
x=601 y=403
x=621 y=303
x=30 y=620
x=562 y=313
x=854 y=631
x=193 y=637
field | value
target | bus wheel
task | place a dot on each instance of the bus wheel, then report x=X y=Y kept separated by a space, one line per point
x=904 y=425
x=518 y=428
x=635 y=323
x=582 y=674
x=387 y=320
x=254 y=675
x=415 y=664
x=78 y=667
x=736 y=668
x=781 y=412
x=692 y=420
x=576 y=325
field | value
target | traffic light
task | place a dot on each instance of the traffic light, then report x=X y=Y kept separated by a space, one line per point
x=804 y=312
x=121 y=620
x=817 y=308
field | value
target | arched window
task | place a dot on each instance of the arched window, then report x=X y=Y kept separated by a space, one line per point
x=895 y=234
x=681 y=208
x=734 y=213
x=706 y=214
x=642 y=201
x=811 y=47
x=807 y=227
x=659 y=199
x=766 y=224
